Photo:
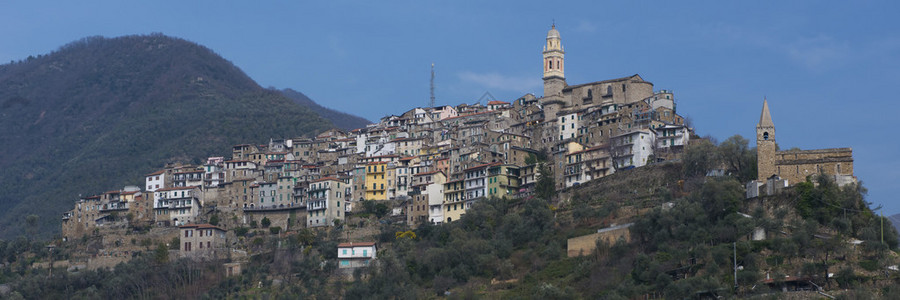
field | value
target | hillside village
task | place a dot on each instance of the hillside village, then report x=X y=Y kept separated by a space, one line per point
x=601 y=186
x=432 y=163
x=427 y=165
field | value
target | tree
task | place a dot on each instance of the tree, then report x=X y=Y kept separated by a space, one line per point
x=546 y=185
x=175 y=243
x=737 y=157
x=373 y=207
x=162 y=253
x=266 y=222
x=699 y=158
x=31 y=220
x=214 y=220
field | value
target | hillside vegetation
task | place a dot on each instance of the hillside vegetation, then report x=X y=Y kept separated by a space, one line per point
x=689 y=232
x=101 y=112
x=341 y=120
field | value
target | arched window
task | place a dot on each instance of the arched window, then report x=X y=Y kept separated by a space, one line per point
x=766 y=136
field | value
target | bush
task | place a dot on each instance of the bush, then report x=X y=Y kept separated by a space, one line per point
x=846 y=278
x=175 y=243
x=266 y=222
x=275 y=229
x=241 y=231
x=869 y=265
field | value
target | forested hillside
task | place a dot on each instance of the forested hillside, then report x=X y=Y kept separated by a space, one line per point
x=99 y=113
x=341 y=120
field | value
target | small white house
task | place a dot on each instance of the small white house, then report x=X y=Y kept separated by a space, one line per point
x=355 y=255
x=632 y=149
x=156 y=180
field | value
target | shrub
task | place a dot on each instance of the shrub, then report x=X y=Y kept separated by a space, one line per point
x=241 y=231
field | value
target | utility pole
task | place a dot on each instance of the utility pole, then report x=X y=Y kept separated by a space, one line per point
x=734 y=249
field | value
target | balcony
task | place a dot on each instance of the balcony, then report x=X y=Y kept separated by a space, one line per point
x=312 y=189
x=173 y=204
x=316 y=204
x=114 y=206
x=279 y=207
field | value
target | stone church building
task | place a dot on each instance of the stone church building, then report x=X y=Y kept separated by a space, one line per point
x=794 y=166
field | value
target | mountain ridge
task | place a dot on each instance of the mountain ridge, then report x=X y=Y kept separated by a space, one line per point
x=340 y=119
x=100 y=112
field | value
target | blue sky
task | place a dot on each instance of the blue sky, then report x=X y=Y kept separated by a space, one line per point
x=828 y=68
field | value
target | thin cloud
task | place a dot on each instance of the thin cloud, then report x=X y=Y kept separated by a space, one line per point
x=817 y=52
x=814 y=53
x=586 y=26
x=498 y=81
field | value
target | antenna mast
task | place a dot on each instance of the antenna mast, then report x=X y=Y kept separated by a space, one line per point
x=431 y=104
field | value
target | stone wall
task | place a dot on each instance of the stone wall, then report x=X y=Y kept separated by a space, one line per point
x=278 y=218
x=586 y=244
x=796 y=165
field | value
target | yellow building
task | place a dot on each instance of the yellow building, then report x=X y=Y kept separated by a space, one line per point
x=454 y=200
x=376 y=183
x=503 y=180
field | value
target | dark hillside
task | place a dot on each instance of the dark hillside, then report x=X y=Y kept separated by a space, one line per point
x=895 y=219
x=341 y=120
x=101 y=112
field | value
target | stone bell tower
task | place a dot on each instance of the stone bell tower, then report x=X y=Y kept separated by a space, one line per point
x=765 y=144
x=554 y=65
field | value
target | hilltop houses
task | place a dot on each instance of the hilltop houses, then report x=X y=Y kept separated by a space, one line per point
x=430 y=164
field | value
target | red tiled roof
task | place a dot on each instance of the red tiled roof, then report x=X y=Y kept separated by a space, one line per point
x=468 y=115
x=156 y=173
x=495 y=102
x=325 y=179
x=483 y=165
x=357 y=244
x=185 y=172
x=176 y=188
x=201 y=226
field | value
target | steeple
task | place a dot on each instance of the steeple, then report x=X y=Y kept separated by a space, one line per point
x=554 y=63
x=765 y=145
x=765 y=120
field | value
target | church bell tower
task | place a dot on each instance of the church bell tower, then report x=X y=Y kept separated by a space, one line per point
x=765 y=144
x=554 y=64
